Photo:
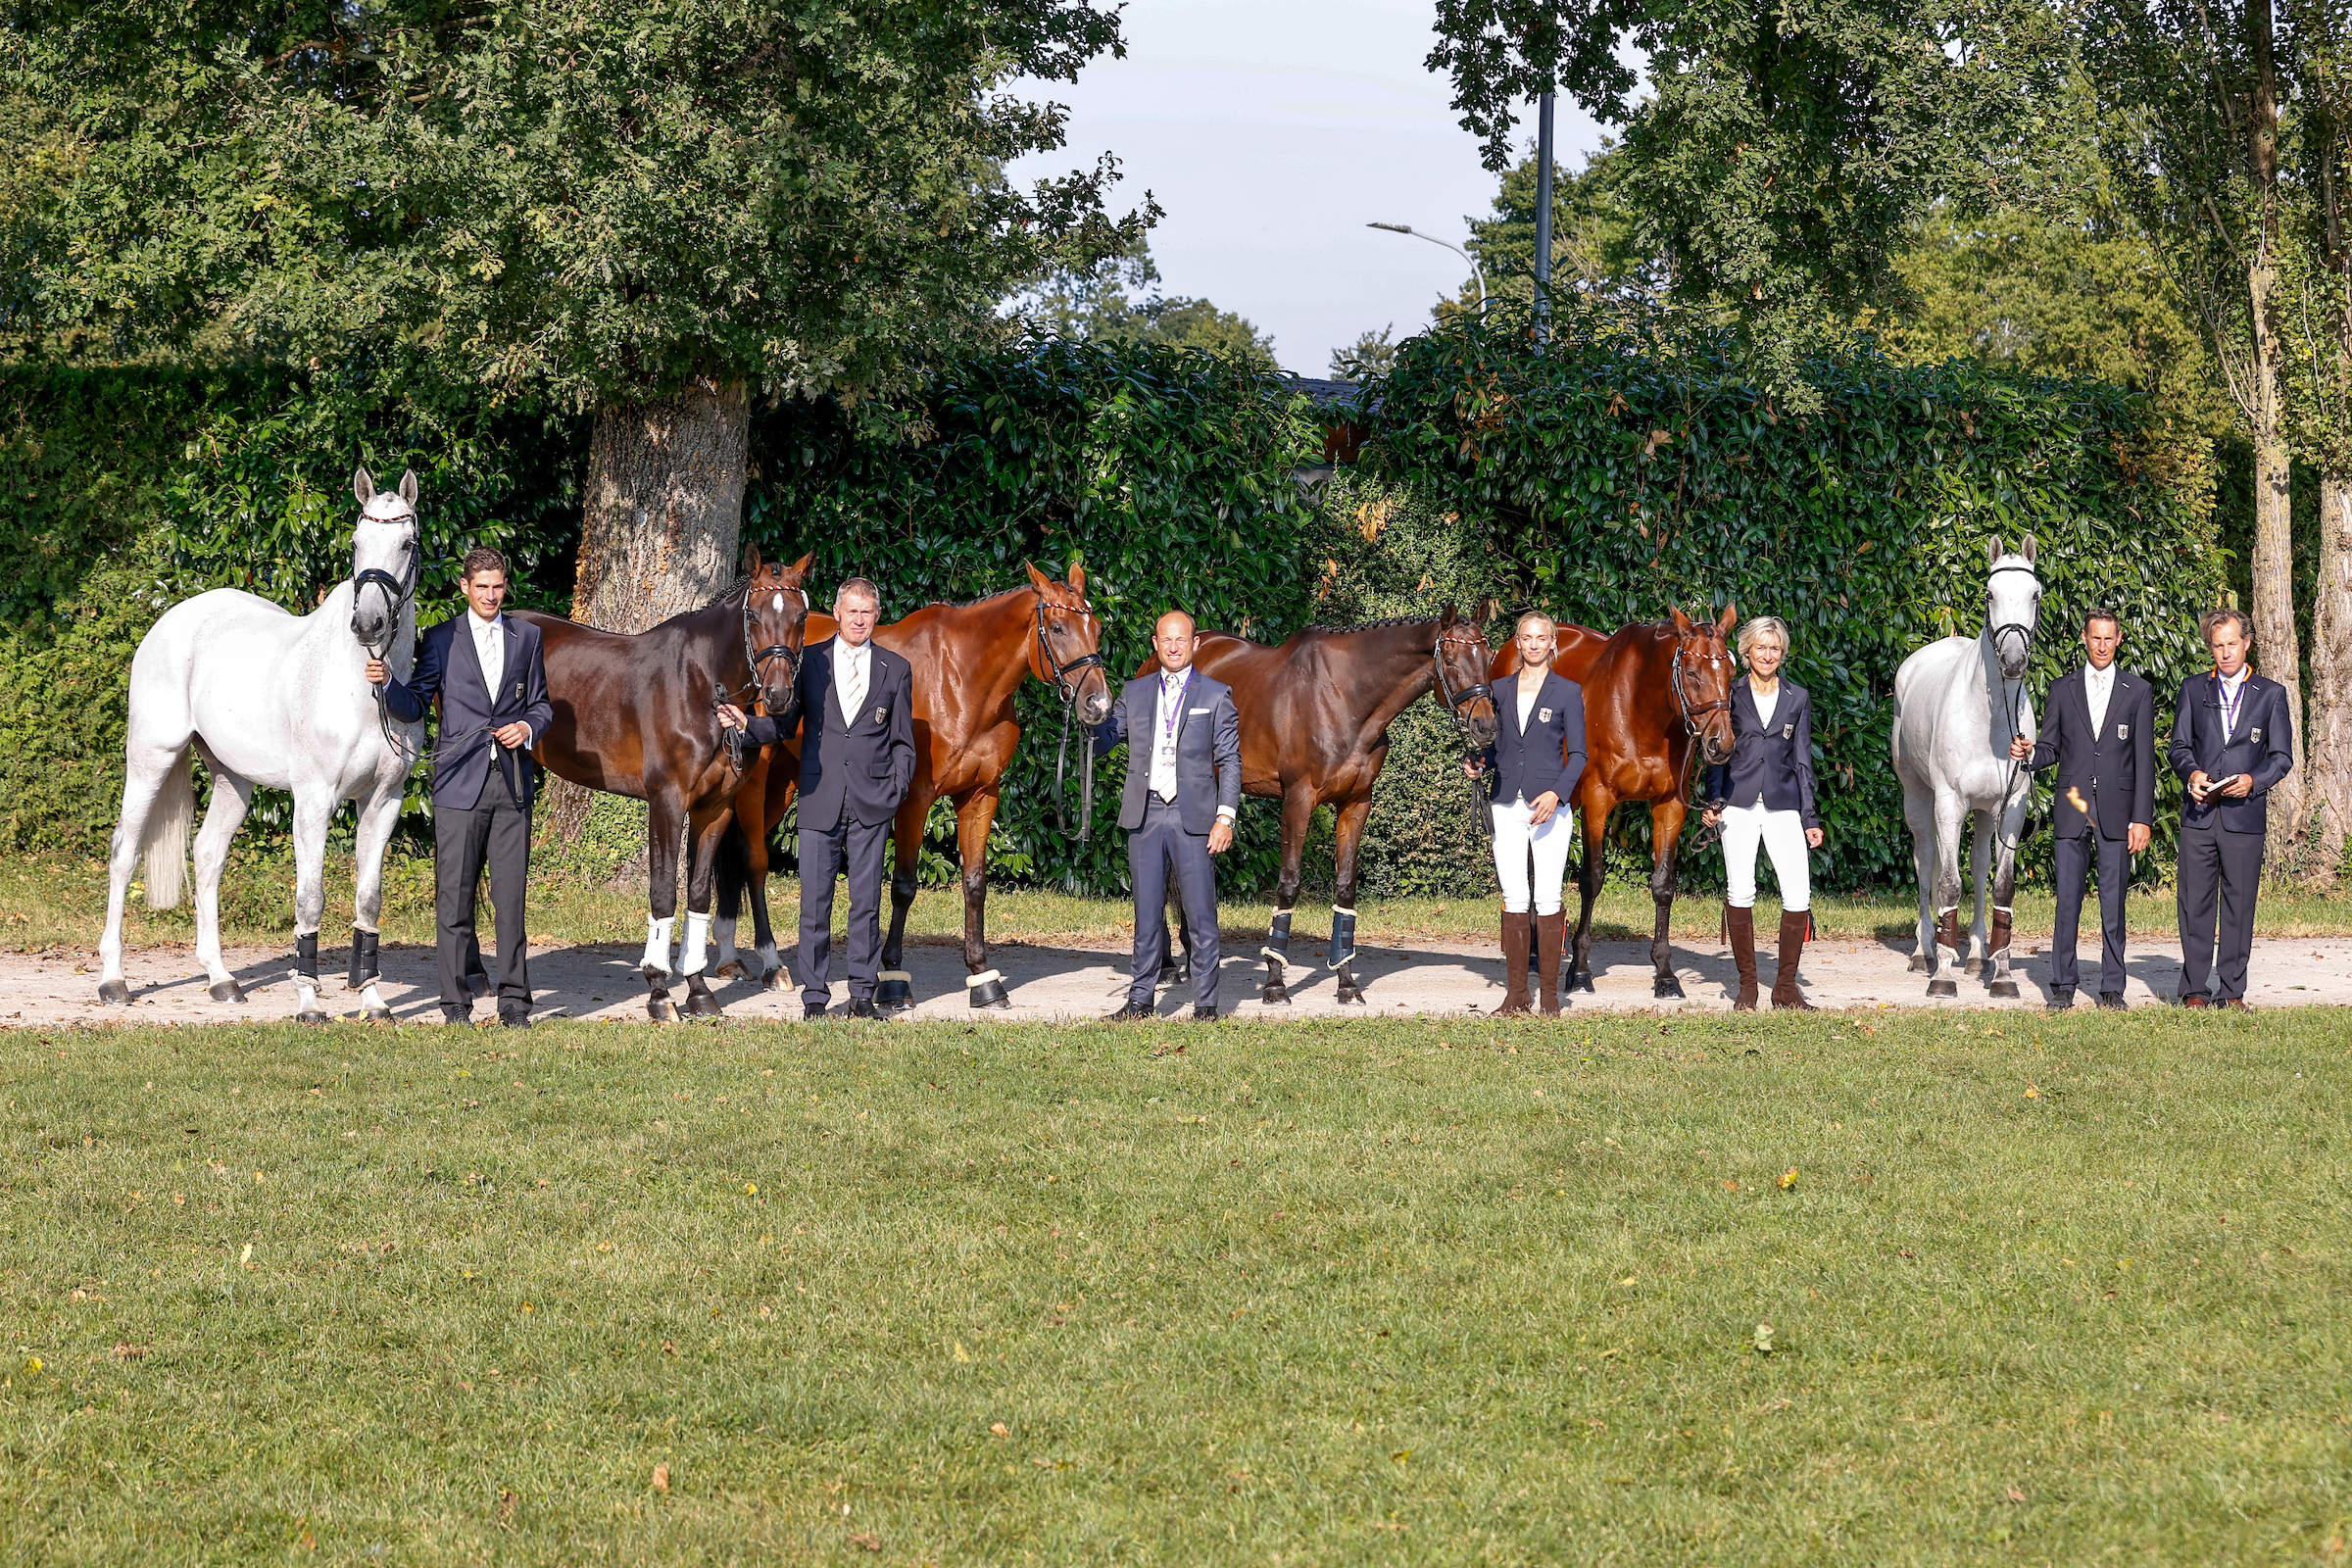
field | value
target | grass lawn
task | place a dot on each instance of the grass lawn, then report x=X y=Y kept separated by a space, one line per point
x=62 y=902
x=2038 y=1291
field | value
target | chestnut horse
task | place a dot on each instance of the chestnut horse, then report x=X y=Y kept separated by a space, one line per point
x=1316 y=714
x=634 y=716
x=1653 y=692
x=969 y=659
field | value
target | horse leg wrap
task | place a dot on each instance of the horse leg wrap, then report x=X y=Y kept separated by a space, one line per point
x=1947 y=933
x=1277 y=950
x=364 y=967
x=894 y=991
x=1999 y=946
x=691 y=953
x=306 y=978
x=1343 y=935
x=987 y=989
x=657 y=947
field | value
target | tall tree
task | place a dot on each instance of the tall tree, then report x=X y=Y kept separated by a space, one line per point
x=1119 y=300
x=2189 y=100
x=1784 y=147
x=652 y=210
x=1593 y=245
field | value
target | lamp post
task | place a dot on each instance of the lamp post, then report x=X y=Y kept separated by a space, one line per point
x=1475 y=270
x=1544 y=219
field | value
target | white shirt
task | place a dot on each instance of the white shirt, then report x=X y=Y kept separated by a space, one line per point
x=490 y=647
x=852 y=672
x=2098 y=685
x=1167 y=718
x=2233 y=698
x=1767 y=705
x=1527 y=704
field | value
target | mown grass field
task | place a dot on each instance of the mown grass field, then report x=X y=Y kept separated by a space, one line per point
x=2038 y=1291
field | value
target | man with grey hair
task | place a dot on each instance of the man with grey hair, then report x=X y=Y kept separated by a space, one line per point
x=857 y=760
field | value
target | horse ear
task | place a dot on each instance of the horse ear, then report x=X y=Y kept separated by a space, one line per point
x=751 y=559
x=1037 y=578
x=1488 y=609
x=408 y=487
x=798 y=573
x=1078 y=579
x=362 y=484
x=2027 y=550
x=1682 y=622
x=1993 y=555
x=1728 y=619
x=1451 y=614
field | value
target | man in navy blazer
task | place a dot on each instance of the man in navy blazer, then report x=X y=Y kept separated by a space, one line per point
x=857 y=704
x=491 y=680
x=2097 y=729
x=1183 y=791
x=2233 y=738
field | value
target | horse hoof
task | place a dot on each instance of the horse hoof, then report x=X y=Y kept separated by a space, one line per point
x=703 y=1004
x=894 y=996
x=657 y=1008
x=1350 y=999
x=380 y=1014
x=1942 y=988
x=227 y=991
x=115 y=993
x=1275 y=996
x=1976 y=966
x=1920 y=965
x=990 y=994
x=775 y=979
x=732 y=969
x=1668 y=986
x=1583 y=983
x=312 y=1017
x=2004 y=987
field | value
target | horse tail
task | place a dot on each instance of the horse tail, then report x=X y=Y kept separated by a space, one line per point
x=164 y=841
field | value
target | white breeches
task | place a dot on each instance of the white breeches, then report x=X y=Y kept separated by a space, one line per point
x=1514 y=836
x=1783 y=835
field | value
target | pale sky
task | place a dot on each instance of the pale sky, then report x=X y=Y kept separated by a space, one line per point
x=1272 y=132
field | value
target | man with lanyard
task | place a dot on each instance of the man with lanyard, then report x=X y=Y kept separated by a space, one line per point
x=2233 y=738
x=2098 y=732
x=1183 y=791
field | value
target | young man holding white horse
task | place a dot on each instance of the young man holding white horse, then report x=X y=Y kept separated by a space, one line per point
x=2233 y=737
x=2099 y=733
x=487 y=670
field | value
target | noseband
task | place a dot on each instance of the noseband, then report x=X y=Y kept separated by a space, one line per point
x=2023 y=631
x=1693 y=718
x=396 y=593
x=759 y=659
x=1456 y=701
x=1063 y=681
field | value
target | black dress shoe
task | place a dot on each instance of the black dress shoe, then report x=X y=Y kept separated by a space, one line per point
x=1205 y=1015
x=810 y=1011
x=1133 y=1012
x=515 y=1018
x=2061 y=1001
x=864 y=1007
x=2112 y=1000
x=457 y=1017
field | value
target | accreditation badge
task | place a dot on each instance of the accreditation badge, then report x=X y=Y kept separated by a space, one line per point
x=2258 y=735
x=2123 y=732
x=881 y=715
x=1542 y=715
x=1788 y=732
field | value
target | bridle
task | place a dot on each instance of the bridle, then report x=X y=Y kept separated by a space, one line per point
x=2023 y=631
x=756 y=661
x=397 y=598
x=1066 y=684
x=1458 y=702
x=1695 y=719
x=2013 y=694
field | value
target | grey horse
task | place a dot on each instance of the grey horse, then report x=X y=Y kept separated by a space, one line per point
x=1958 y=702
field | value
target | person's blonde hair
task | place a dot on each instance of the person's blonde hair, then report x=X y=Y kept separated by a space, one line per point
x=1763 y=626
x=1520 y=625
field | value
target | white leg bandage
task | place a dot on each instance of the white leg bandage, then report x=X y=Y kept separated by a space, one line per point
x=724 y=931
x=657 y=945
x=698 y=937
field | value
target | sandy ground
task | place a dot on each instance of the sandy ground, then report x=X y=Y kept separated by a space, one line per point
x=1064 y=982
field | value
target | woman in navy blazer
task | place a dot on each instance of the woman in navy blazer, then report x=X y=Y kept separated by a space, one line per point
x=1534 y=765
x=1764 y=794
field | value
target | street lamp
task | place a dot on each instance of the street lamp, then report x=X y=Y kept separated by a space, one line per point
x=1476 y=269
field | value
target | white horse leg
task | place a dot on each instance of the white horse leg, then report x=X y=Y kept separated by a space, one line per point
x=313 y=809
x=1980 y=862
x=1951 y=812
x=1919 y=810
x=378 y=815
x=232 y=798
x=154 y=777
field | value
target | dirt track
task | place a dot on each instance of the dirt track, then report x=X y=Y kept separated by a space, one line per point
x=1060 y=982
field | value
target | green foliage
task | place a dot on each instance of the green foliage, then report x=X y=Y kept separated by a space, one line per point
x=1370 y=355
x=583 y=202
x=1095 y=304
x=1629 y=469
x=1166 y=471
x=1594 y=246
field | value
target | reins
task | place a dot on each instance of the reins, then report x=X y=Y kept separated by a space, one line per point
x=397 y=596
x=736 y=742
x=1458 y=702
x=1068 y=688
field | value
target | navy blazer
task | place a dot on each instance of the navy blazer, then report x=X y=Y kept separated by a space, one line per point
x=1549 y=757
x=1773 y=765
x=2112 y=773
x=449 y=668
x=2263 y=744
x=859 y=764
x=1209 y=749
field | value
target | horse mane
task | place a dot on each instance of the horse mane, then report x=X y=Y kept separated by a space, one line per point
x=733 y=593
x=1381 y=624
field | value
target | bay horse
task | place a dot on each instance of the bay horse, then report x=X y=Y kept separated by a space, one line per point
x=970 y=660
x=1958 y=702
x=1315 y=712
x=267 y=696
x=635 y=715
x=1654 y=692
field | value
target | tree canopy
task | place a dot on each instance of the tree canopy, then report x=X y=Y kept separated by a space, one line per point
x=595 y=201
x=1118 y=300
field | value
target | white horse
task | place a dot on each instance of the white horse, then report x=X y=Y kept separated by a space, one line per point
x=1957 y=705
x=271 y=698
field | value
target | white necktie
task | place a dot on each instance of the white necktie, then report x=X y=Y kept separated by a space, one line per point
x=493 y=650
x=852 y=685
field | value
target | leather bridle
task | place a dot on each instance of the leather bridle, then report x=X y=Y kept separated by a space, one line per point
x=1695 y=719
x=1068 y=684
x=1057 y=671
x=397 y=597
x=757 y=659
x=1457 y=700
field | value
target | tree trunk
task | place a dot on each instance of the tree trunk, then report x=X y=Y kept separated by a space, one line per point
x=2328 y=746
x=662 y=527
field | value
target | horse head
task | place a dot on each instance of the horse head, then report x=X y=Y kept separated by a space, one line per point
x=2012 y=606
x=1067 y=652
x=1461 y=658
x=383 y=556
x=1702 y=681
x=775 y=626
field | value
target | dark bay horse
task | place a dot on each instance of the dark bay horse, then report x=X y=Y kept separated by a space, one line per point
x=969 y=659
x=1653 y=693
x=634 y=716
x=1316 y=714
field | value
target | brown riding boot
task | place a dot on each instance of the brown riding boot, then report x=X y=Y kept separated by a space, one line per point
x=1550 y=930
x=1792 y=947
x=1741 y=925
x=1514 y=965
